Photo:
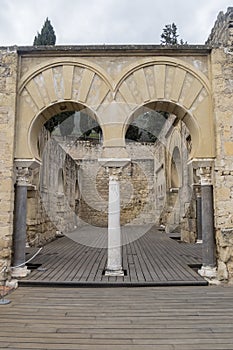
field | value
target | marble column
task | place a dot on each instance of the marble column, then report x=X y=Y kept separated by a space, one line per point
x=199 y=214
x=20 y=227
x=114 y=167
x=114 y=262
x=208 y=246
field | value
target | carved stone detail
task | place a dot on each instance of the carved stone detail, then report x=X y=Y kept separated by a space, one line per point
x=205 y=174
x=23 y=176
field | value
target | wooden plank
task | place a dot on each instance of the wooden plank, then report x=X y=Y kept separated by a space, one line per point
x=154 y=257
x=186 y=318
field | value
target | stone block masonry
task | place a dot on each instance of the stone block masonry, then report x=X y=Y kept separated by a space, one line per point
x=222 y=83
x=8 y=81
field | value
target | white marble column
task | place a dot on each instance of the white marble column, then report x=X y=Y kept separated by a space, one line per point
x=114 y=262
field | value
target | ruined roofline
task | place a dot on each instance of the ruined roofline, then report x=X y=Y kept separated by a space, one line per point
x=222 y=31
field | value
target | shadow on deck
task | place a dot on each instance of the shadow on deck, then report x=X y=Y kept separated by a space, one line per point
x=153 y=259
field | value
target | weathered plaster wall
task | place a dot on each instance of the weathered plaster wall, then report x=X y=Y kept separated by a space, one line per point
x=8 y=79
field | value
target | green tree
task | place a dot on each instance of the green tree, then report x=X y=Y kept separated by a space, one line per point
x=169 y=36
x=46 y=36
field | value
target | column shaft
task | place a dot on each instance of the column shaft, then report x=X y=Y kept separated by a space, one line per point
x=208 y=247
x=20 y=226
x=114 y=263
x=199 y=218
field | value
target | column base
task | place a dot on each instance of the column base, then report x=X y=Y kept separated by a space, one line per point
x=199 y=241
x=113 y=273
x=208 y=272
x=19 y=272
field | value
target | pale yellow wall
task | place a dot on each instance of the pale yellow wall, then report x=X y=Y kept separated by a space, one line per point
x=172 y=84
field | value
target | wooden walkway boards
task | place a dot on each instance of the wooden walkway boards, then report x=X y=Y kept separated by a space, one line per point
x=152 y=259
x=165 y=318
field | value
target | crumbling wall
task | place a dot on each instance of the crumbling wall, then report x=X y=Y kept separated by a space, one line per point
x=222 y=32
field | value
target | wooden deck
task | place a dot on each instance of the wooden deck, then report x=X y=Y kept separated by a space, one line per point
x=152 y=259
x=165 y=318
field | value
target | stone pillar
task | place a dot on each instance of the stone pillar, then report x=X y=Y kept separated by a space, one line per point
x=114 y=262
x=208 y=247
x=20 y=216
x=199 y=214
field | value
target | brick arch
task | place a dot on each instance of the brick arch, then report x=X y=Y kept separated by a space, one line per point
x=176 y=87
x=48 y=87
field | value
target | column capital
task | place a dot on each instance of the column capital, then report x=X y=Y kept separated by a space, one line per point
x=114 y=173
x=23 y=176
x=205 y=174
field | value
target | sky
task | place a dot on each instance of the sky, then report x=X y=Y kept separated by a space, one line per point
x=108 y=21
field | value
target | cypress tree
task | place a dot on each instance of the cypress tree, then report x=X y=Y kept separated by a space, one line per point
x=46 y=36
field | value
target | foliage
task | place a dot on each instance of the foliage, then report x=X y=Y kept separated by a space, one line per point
x=47 y=35
x=169 y=36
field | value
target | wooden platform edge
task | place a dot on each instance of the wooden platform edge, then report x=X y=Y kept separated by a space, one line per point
x=30 y=283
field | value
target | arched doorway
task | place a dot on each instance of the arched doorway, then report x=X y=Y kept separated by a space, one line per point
x=163 y=83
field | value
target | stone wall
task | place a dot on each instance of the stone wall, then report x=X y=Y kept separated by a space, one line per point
x=136 y=184
x=222 y=68
x=222 y=84
x=174 y=198
x=8 y=76
x=71 y=191
x=52 y=198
